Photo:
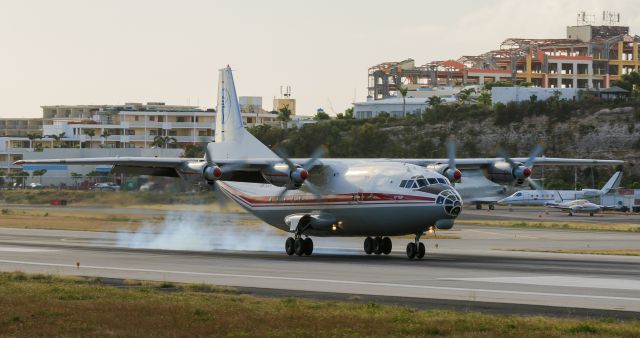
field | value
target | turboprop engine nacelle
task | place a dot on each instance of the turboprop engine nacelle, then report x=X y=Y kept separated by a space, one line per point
x=454 y=175
x=320 y=222
x=502 y=172
x=281 y=175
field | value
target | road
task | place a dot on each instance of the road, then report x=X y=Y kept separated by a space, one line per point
x=475 y=271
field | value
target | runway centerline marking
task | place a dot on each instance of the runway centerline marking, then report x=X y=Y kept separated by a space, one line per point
x=328 y=281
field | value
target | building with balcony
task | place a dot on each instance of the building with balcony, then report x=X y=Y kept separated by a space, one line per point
x=20 y=127
x=134 y=125
x=589 y=57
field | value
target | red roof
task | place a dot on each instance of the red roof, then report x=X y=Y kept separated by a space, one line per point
x=453 y=64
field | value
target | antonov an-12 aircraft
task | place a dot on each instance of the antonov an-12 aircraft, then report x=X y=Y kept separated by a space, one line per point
x=372 y=198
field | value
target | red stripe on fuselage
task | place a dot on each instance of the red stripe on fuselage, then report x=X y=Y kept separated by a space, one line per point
x=335 y=199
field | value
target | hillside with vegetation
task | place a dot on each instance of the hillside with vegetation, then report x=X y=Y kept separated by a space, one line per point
x=586 y=128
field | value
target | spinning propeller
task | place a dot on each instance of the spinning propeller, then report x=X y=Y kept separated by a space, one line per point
x=299 y=174
x=523 y=171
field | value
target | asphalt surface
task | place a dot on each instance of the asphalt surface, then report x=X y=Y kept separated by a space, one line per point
x=478 y=271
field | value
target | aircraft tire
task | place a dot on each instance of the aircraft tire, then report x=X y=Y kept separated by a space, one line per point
x=289 y=246
x=298 y=246
x=386 y=245
x=377 y=245
x=411 y=250
x=308 y=246
x=421 y=250
x=591 y=214
x=478 y=206
x=492 y=207
x=368 y=245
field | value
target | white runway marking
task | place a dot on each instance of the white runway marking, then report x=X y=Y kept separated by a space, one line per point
x=20 y=249
x=328 y=281
x=582 y=282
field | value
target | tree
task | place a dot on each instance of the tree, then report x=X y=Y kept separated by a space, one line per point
x=39 y=173
x=19 y=176
x=105 y=134
x=163 y=141
x=193 y=151
x=91 y=133
x=284 y=114
x=31 y=138
x=465 y=95
x=321 y=115
x=57 y=139
x=485 y=98
x=403 y=91
x=435 y=101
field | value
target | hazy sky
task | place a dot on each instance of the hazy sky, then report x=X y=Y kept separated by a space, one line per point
x=111 y=52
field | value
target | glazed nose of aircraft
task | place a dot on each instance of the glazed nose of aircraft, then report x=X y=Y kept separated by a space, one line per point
x=451 y=202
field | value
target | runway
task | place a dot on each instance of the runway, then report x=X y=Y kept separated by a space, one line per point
x=477 y=269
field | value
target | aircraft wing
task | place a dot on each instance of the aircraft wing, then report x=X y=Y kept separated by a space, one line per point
x=243 y=170
x=468 y=163
x=157 y=166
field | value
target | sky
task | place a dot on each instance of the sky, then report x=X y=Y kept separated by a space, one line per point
x=117 y=51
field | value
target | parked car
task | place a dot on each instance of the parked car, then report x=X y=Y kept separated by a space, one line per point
x=108 y=186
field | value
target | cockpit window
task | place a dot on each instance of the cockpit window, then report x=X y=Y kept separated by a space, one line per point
x=441 y=180
x=415 y=185
x=403 y=183
x=421 y=182
x=519 y=194
x=432 y=181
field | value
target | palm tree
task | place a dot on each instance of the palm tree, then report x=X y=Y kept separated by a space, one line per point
x=91 y=133
x=485 y=98
x=31 y=138
x=435 y=101
x=105 y=134
x=163 y=141
x=403 y=91
x=39 y=173
x=284 y=114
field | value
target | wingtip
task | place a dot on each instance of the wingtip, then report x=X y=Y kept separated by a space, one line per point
x=20 y=162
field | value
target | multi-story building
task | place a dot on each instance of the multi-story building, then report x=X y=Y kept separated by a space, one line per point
x=590 y=57
x=20 y=126
x=134 y=125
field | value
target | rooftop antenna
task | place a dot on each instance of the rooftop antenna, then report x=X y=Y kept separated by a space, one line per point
x=610 y=18
x=585 y=19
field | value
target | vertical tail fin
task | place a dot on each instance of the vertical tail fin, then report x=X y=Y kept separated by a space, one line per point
x=613 y=183
x=232 y=141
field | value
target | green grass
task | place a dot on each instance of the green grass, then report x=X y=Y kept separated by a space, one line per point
x=45 y=305
x=623 y=227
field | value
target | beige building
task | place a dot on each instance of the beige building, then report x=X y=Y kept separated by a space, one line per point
x=20 y=127
x=133 y=125
x=285 y=102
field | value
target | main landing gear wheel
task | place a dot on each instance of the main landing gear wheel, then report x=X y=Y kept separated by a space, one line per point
x=377 y=245
x=288 y=246
x=299 y=246
x=386 y=245
x=492 y=207
x=308 y=246
x=368 y=245
x=416 y=249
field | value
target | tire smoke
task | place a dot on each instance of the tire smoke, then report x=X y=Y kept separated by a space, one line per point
x=200 y=231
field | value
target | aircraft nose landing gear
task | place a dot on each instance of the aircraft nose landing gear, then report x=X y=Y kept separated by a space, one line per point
x=416 y=249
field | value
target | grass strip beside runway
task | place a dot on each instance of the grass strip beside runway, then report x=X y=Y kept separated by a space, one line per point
x=45 y=305
x=623 y=227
